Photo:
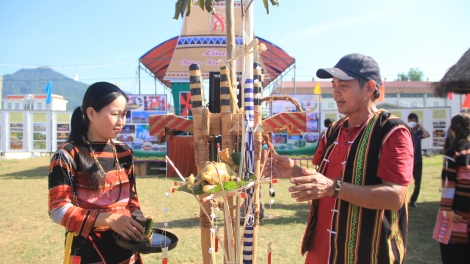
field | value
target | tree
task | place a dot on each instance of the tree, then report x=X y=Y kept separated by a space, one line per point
x=185 y=6
x=414 y=74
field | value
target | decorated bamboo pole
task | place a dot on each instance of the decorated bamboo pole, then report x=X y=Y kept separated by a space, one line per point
x=227 y=143
x=225 y=110
x=231 y=47
x=257 y=137
x=249 y=241
x=248 y=238
x=201 y=156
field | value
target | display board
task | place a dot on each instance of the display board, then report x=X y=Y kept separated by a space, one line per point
x=306 y=143
x=136 y=132
x=36 y=131
x=16 y=131
x=435 y=120
x=41 y=139
x=33 y=131
x=60 y=128
x=2 y=134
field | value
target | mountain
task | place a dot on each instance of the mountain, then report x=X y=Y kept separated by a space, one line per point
x=34 y=81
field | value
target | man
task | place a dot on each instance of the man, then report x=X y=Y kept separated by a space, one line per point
x=327 y=123
x=358 y=211
x=418 y=133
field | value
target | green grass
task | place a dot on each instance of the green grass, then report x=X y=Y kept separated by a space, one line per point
x=29 y=236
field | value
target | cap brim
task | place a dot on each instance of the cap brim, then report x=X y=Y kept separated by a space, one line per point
x=328 y=73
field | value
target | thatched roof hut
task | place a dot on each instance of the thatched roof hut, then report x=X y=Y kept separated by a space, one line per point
x=457 y=78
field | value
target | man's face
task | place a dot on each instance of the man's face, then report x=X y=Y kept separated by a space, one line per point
x=349 y=96
x=412 y=122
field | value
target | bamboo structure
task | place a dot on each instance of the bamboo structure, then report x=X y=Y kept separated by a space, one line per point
x=204 y=125
x=231 y=123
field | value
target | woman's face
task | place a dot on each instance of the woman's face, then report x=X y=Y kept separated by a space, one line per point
x=452 y=133
x=108 y=122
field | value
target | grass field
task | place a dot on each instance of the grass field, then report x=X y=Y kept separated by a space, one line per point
x=29 y=236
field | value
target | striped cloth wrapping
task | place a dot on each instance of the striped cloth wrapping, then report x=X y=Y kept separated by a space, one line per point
x=158 y=123
x=295 y=123
x=249 y=165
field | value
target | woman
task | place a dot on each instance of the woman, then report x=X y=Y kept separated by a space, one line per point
x=455 y=201
x=91 y=181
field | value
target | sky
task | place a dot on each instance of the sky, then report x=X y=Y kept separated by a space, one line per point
x=102 y=40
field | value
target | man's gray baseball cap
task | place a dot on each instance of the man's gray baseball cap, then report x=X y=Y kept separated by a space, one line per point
x=353 y=66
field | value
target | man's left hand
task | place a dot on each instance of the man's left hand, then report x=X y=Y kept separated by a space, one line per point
x=311 y=187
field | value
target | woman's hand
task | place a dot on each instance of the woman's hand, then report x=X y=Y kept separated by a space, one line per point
x=124 y=225
x=453 y=216
x=278 y=166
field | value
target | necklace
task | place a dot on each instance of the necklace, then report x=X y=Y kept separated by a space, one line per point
x=118 y=169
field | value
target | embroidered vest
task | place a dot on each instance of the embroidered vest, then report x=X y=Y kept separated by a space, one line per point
x=363 y=235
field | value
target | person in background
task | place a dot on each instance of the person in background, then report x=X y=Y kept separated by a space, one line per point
x=328 y=122
x=455 y=177
x=418 y=133
x=358 y=209
x=91 y=181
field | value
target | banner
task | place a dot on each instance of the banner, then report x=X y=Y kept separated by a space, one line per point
x=185 y=106
x=306 y=143
x=435 y=120
x=136 y=132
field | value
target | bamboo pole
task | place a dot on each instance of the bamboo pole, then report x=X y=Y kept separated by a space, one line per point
x=227 y=143
x=249 y=240
x=231 y=46
x=201 y=156
x=248 y=237
x=257 y=91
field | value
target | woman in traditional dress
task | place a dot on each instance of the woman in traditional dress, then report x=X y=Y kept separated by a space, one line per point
x=455 y=201
x=91 y=181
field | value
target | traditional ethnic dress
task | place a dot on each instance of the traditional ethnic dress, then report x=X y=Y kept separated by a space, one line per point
x=456 y=176
x=341 y=232
x=75 y=205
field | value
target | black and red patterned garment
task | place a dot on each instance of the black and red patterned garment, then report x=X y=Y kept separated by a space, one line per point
x=75 y=205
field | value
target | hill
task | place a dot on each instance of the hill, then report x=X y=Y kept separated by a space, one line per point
x=34 y=81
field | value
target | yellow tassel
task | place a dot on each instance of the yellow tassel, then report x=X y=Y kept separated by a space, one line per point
x=68 y=247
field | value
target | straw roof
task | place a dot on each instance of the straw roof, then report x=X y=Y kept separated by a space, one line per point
x=457 y=78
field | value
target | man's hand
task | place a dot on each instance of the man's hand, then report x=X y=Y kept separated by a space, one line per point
x=311 y=187
x=278 y=166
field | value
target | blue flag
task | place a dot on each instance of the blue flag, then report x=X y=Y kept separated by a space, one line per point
x=49 y=92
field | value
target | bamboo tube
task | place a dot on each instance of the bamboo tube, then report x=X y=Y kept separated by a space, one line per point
x=227 y=143
x=201 y=155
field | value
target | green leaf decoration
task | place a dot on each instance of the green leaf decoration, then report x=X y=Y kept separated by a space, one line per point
x=228 y=186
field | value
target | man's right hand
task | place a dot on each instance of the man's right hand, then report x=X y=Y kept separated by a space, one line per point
x=278 y=166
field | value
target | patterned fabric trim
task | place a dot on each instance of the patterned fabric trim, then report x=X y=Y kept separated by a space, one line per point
x=361 y=158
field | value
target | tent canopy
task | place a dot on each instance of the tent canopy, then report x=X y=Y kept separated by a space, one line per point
x=158 y=59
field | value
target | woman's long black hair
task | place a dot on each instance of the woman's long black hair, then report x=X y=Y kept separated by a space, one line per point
x=460 y=124
x=97 y=96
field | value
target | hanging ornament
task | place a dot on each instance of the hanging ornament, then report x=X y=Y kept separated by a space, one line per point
x=165 y=255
